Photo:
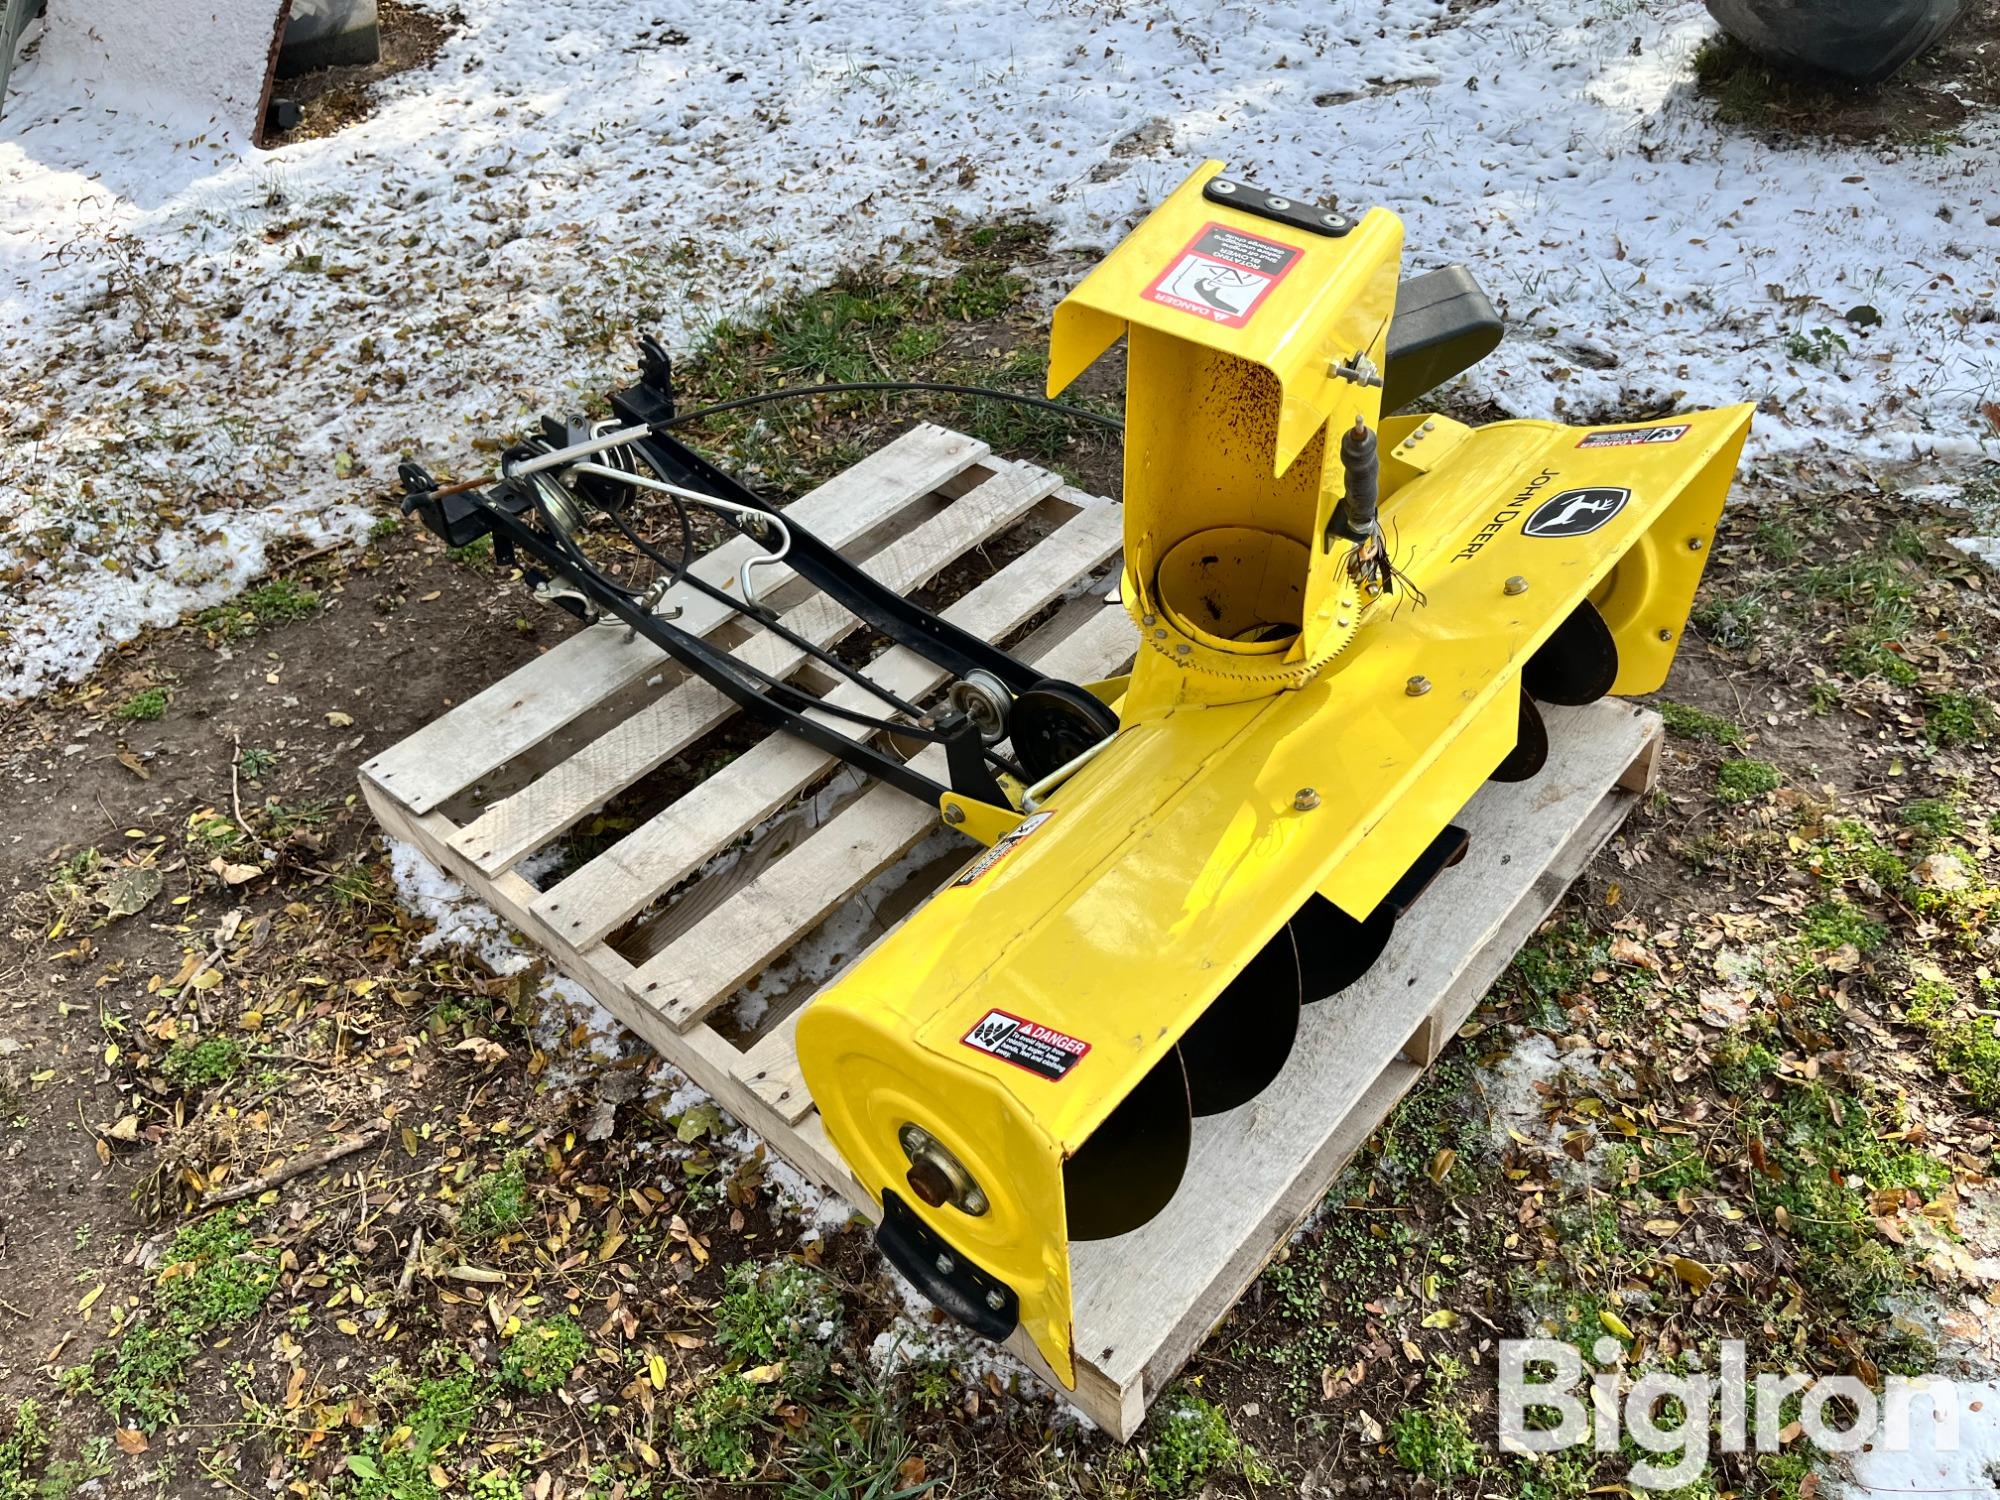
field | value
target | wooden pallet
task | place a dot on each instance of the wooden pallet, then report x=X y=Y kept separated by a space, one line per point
x=667 y=924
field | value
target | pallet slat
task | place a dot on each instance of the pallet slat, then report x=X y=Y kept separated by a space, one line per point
x=521 y=710
x=763 y=919
x=1097 y=648
x=516 y=826
x=622 y=881
x=1256 y=1170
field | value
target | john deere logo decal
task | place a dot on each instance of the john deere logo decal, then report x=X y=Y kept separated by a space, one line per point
x=1576 y=512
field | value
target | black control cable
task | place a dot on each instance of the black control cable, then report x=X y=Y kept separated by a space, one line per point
x=942 y=387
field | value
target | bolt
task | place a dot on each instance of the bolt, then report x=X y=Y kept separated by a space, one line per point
x=1516 y=585
x=1159 y=635
x=1694 y=544
x=1417 y=686
x=1182 y=650
x=1149 y=619
x=995 y=1299
x=946 y=1265
x=1329 y=218
x=1280 y=203
x=1222 y=187
x=1341 y=621
x=1666 y=635
x=954 y=814
x=1429 y=423
x=1305 y=800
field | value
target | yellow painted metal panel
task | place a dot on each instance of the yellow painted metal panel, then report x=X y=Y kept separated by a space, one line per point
x=1160 y=868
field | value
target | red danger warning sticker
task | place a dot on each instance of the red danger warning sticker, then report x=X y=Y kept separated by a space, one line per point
x=1633 y=437
x=1223 y=275
x=1042 y=1050
x=1002 y=847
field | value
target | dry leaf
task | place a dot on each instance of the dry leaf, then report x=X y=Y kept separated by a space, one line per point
x=1694 y=1273
x=129 y=1439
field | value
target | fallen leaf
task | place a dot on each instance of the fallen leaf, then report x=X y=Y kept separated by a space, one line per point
x=1694 y=1273
x=340 y=720
x=1625 y=951
x=129 y=1439
x=132 y=890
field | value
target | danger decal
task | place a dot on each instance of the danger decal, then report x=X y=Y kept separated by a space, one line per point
x=1042 y=1050
x=1002 y=847
x=1223 y=275
x=1576 y=512
x=1634 y=437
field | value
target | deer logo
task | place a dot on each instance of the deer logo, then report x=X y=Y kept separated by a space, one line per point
x=1576 y=512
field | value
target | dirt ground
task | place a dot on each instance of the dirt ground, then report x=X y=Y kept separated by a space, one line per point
x=330 y=99
x=522 y=1267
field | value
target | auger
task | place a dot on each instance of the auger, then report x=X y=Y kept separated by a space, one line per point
x=1345 y=621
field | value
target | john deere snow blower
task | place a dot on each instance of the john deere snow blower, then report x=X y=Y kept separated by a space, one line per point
x=1346 y=621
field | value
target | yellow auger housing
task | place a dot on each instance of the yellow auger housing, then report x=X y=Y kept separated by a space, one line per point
x=1317 y=692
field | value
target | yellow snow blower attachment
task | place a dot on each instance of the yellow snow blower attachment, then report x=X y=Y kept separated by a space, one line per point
x=1345 y=621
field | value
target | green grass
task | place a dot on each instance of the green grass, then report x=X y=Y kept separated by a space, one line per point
x=1953 y=719
x=1433 y=1438
x=212 y=1279
x=1819 y=346
x=496 y=1201
x=26 y=1470
x=275 y=603
x=394 y=1461
x=1743 y=780
x=542 y=1356
x=854 y=1446
x=1934 y=818
x=1188 y=1438
x=774 y=1312
x=1550 y=969
x=1746 y=90
x=192 y=1065
x=1827 y=1151
x=969 y=327
x=1733 y=623
x=1964 y=1045
x=143 y=707
x=1778 y=542
x=1689 y=723
x=1835 y=923
x=716 y=1429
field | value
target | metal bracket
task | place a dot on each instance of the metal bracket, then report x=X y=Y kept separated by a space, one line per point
x=982 y=1302
x=1313 y=218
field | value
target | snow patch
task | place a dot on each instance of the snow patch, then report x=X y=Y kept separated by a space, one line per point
x=1926 y=1466
x=195 y=329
